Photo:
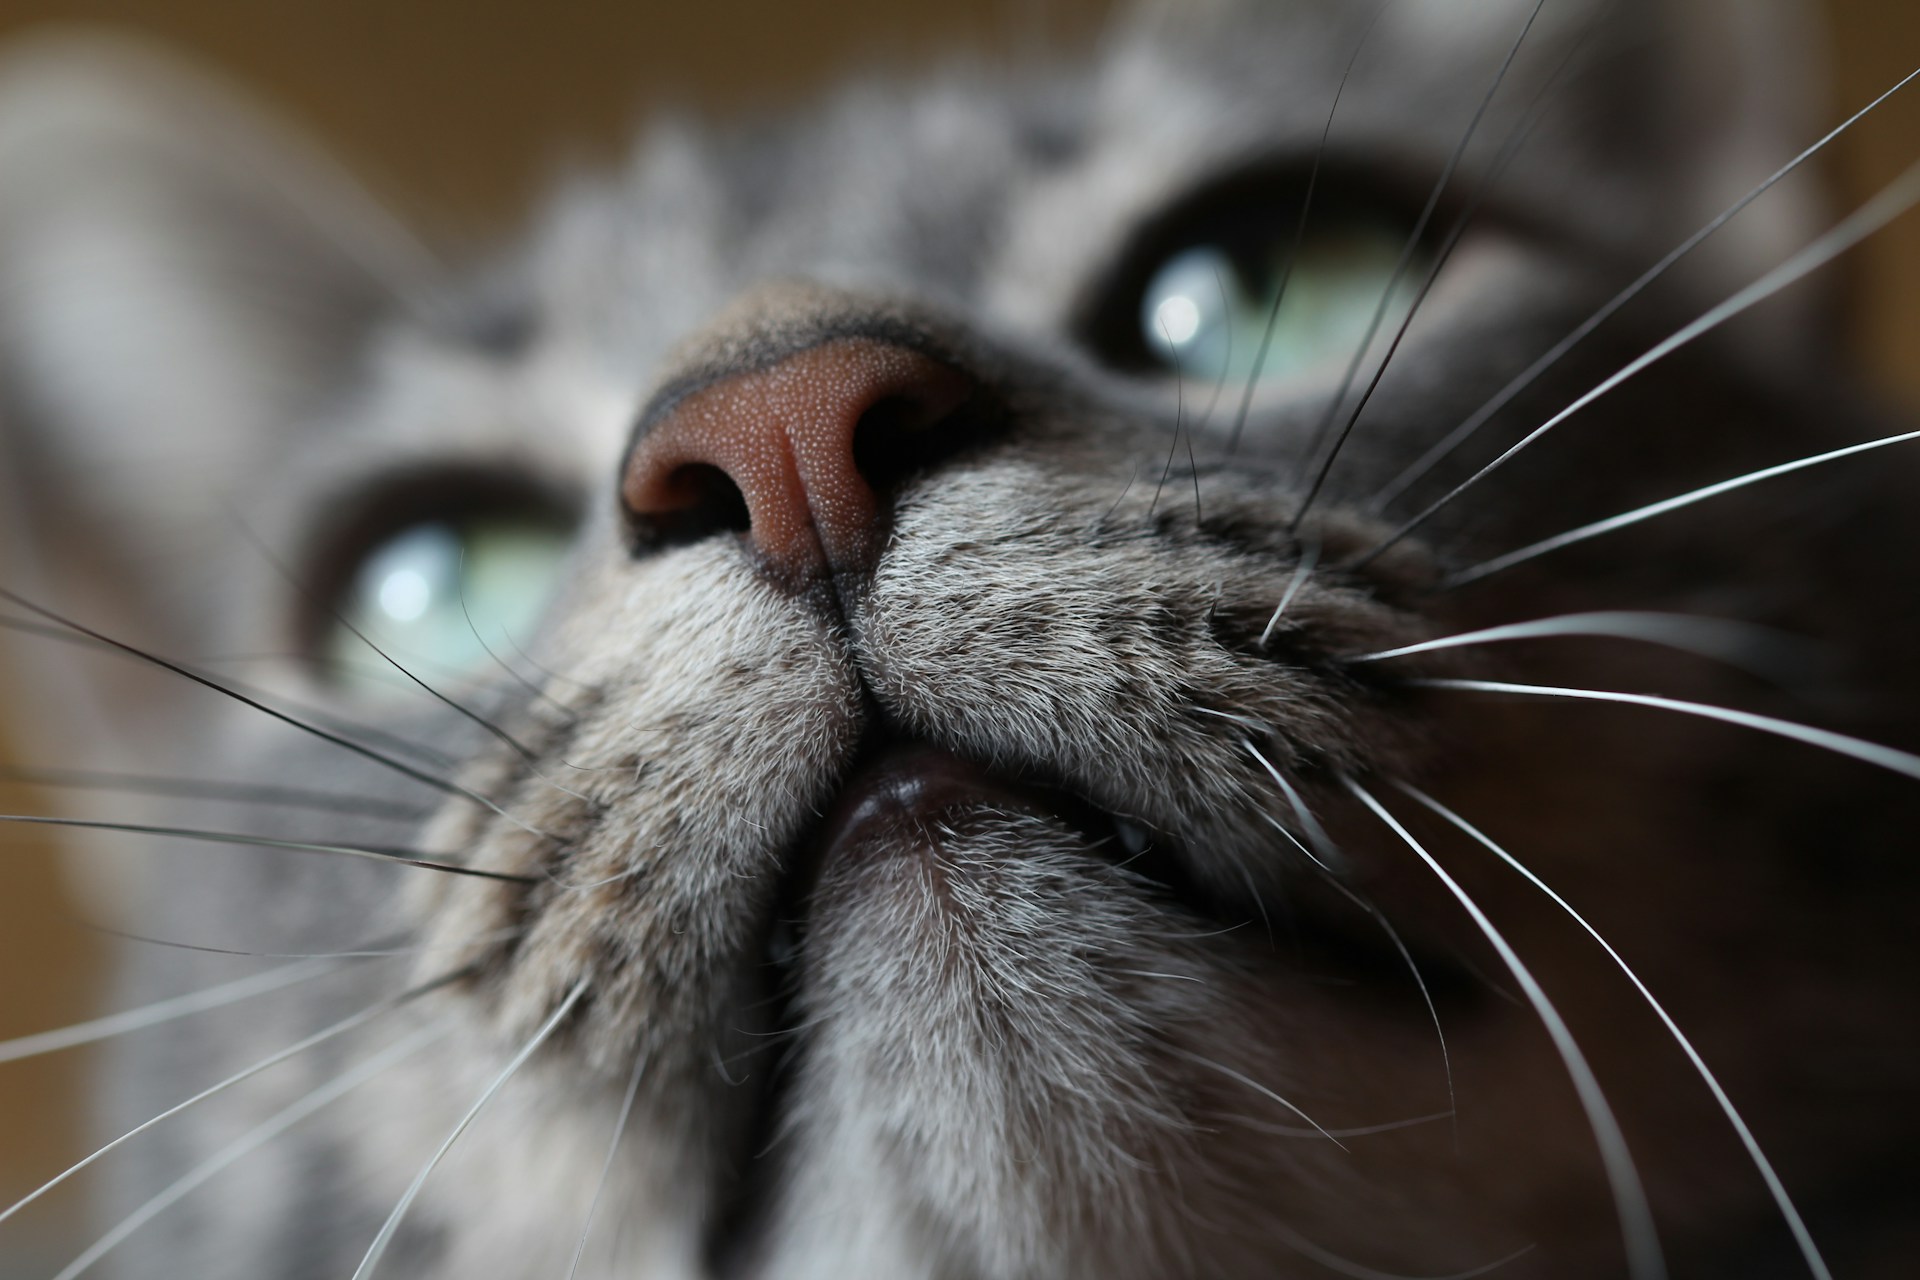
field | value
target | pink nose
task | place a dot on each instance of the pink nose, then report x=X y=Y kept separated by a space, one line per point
x=803 y=444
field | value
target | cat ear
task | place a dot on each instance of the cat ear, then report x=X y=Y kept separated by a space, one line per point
x=180 y=280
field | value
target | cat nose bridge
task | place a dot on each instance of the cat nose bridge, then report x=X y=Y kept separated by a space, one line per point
x=798 y=454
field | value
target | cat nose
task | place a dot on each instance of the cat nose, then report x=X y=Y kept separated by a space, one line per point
x=798 y=454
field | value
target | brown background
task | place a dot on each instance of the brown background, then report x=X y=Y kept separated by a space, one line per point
x=457 y=109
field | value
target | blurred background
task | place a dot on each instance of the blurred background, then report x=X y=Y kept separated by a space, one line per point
x=458 y=111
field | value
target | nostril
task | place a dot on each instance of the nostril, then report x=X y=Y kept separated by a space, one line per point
x=902 y=435
x=698 y=500
x=800 y=455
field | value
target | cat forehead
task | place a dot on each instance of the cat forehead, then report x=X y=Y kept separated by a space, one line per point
x=960 y=188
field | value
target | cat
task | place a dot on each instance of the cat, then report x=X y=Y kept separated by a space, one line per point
x=861 y=702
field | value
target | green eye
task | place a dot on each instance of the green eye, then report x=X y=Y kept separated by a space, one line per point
x=439 y=594
x=1204 y=310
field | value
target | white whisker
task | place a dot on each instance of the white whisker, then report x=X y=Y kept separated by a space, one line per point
x=1347 y=1267
x=1652 y=509
x=1379 y=917
x=1730 y=642
x=1775 y=1187
x=606 y=1167
x=1859 y=749
x=392 y=1224
x=1426 y=994
x=1258 y=1088
x=115 y=1024
x=1309 y=557
x=1644 y=1259
x=1324 y=851
x=246 y=1073
x=1893 y=200
x=1356 y=1131
x=279 y=1123
x=1526 y=378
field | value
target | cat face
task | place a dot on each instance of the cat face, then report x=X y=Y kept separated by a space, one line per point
x=873 y=622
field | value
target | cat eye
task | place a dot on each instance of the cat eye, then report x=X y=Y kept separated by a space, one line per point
x=1197 y=297
x=447 y=596
x=1204 y=315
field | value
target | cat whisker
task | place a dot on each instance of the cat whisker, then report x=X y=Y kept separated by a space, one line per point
x=1220 y=379
x=1309 y=560
x=162 y=1011
x=1356 y=1131
x=1179 y=418
x=1510 y=148
x=1167 y=977
x=1324 y=851
x=1802 y=1237
x=1874 y=753
x=279 y=797
x=254 y=1139
x=1741 y=644
x=399 y=857
x=1644 y=1258
x=392 y=1224
x=1526 y=378
x=325 y=1034
x=345 y=744
x=1347 y=1267
x=1299 y=235
x=466 y=612
x=314 y=715
x=527 y=756
x=1257 y=1087
x=1319 y=438
x=548 y=672
x=1420 y=981
x=1331 y=857
x=606 y=1166
x=485 y=939
x=1895 y=199
x=1487 y=568
x=1125 y=489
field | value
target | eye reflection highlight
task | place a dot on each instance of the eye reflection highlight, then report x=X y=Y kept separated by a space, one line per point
x=440 y=594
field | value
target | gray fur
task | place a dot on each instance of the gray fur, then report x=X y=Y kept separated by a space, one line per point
x=1003 y=1053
